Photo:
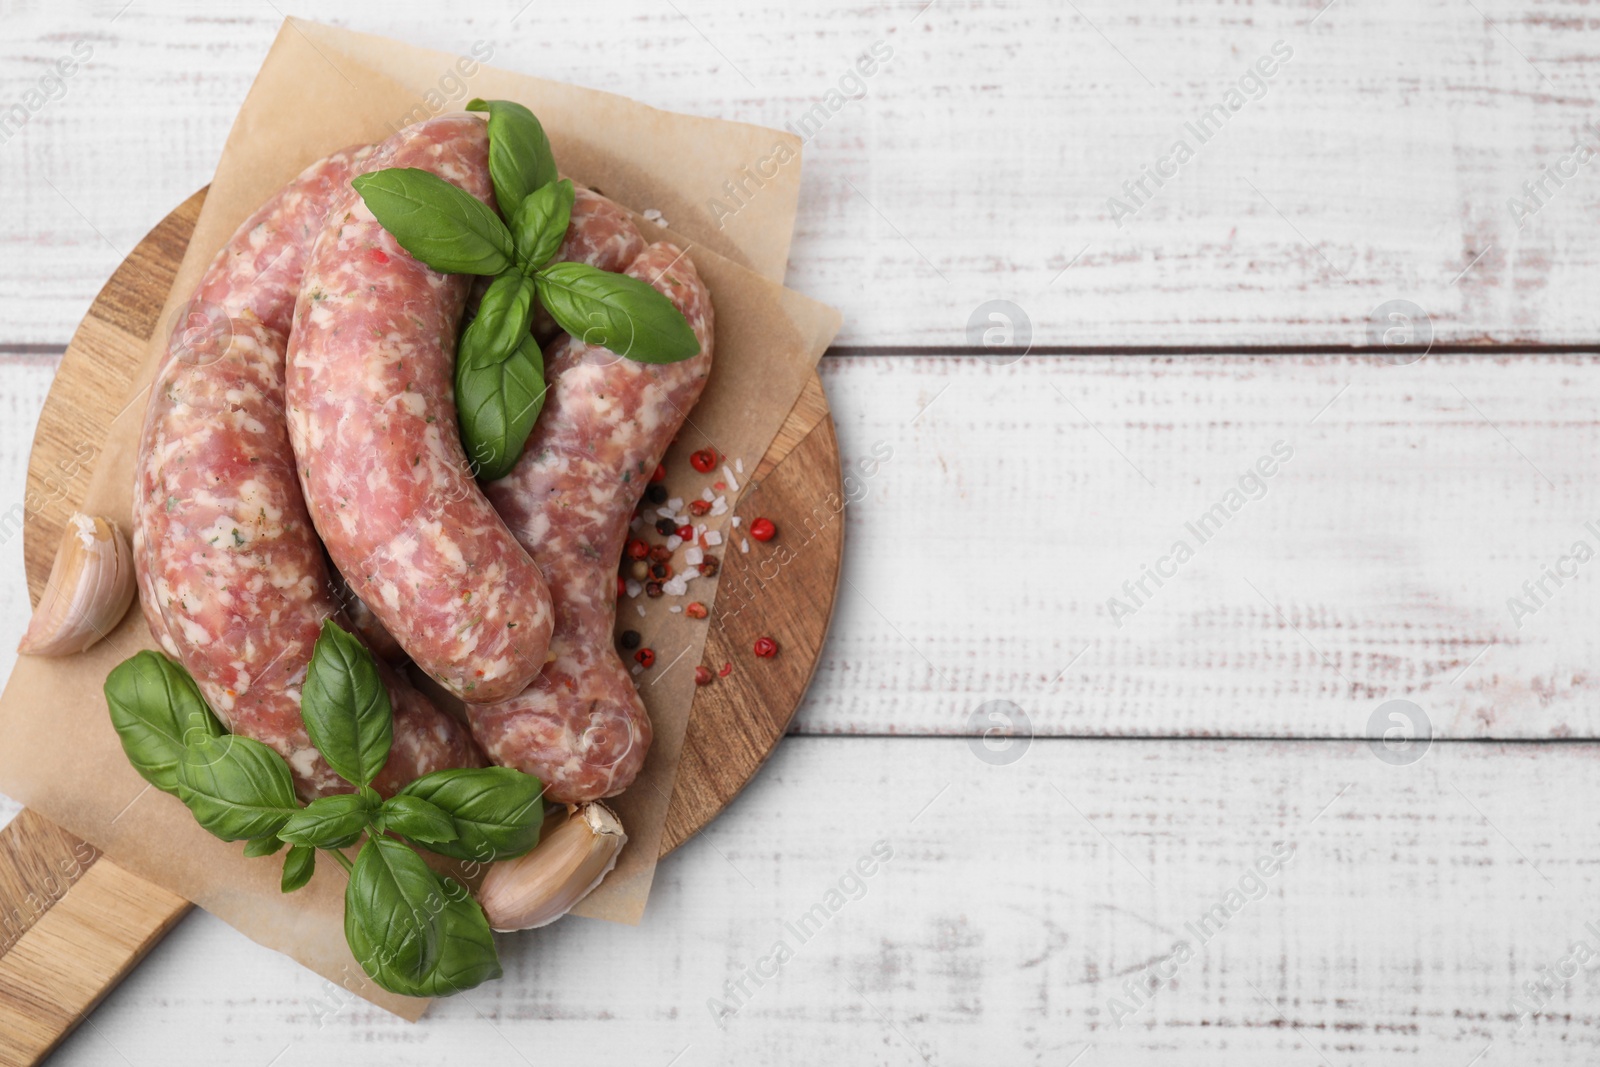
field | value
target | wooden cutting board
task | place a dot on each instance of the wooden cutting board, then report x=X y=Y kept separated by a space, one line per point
x=72 y=924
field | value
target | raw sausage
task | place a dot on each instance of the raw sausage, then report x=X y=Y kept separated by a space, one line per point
x=236 y=570
x=373 y=423
x=606 y=422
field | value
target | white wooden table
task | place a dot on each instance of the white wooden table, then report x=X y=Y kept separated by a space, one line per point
x=1179 y=735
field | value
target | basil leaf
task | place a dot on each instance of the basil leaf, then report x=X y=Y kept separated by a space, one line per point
x=498 y=403
x=345 y=706
x=467 y=956
x=504 y=315
x=298 y=867
x=329 y=822
x=617 y=312
x=261 y=846
x=539 y=224
x=414 y=818
x=497 y=811
x=391 y=911
x=155 y=708
x=520 y=159
x=446 y=228
x=236 y=788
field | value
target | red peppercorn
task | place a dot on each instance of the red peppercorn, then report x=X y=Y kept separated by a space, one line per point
x=652 y=589
x=702 y=676
x=637 y=549
x=763 y=530
x=704 y=461
x=622 y=587
x=727 y=669
x=686 y=532
x=695 y=610
x=708 y=566
x=661 y=571
x=645 y=656
x=660 y=474
x=766 y=647
x=660 y=554
x=699 y=507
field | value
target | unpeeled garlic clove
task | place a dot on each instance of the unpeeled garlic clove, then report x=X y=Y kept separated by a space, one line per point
x=90 y=587
x=540 y=887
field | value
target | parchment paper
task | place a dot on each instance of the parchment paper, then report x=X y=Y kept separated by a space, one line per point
x=321 y=88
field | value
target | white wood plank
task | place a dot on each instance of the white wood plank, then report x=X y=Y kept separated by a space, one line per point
x=977 y=165
x=1018 y=901
x=982 y=556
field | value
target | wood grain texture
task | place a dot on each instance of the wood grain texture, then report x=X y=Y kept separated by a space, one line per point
x=978 y=163
x=54 y=930
x=1017 y=902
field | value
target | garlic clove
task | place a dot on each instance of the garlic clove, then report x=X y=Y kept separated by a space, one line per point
x=540 y=887
x=89 y=589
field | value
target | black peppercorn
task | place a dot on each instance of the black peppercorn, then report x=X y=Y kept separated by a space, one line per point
x=656 y=494
x=629 y=639
x=666 y=527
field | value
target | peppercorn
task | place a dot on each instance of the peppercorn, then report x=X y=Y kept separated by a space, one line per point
x=645 y=657
x=660 y=554
x=727 y=669
x=661 y=571
x=686 y=532
x=699 y=507
x=708 y=566
x=766 y=647
x=637 y=549
x=656 y=494
x=695 y=610
x=639 y=570
x=629 y=639
x=660 y=474
x=702 y=676
x=666 y=527
x=763 y=530
x=652 y=589
x=622 y=587
x=704 y=461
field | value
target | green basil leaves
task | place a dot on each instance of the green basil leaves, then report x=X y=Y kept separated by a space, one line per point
x=345 y=706
x=413 y=932
x=499 y=372
x=156 y=708
x=449 y=229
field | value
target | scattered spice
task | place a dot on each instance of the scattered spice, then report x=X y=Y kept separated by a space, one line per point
x=702 y=676
x=656 y=494
x=661 y=571
x=639 y=570
x=695 y=610
x=699 y=507
x=651 y=589
x=637 y=549
x=766 y=647
x=660 y=554
x=645 y=656
x=704 y=461
x=727 y=669
x=622 y=587
x=629 y=639
x=660 y=474
x=666 y=527
x=708 y=566
x=763 y=529
x=686 y=532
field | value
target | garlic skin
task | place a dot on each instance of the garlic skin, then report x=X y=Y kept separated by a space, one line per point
x=89 y=589
x=538 y=888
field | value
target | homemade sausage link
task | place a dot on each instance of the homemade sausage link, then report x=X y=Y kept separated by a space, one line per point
x=606 y=422
x=373 y=423
x=235 y=568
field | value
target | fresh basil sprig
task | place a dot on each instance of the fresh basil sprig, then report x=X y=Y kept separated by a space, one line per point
x=414 y=932
x=499 y=381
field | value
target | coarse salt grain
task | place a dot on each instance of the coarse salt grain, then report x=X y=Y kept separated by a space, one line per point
x=744 y=546
x=633 y=588
x=720 y=507
x=673 y=542
x=713 y=538
x=690 y=574
x=641 y=610
x=667 y=513
x=677 y=585
x=727 y=476
x=654 y=216
x=707 y=495
x=738 y=465
x=638 y=668
x=675 y=609
x=676 y=504
x=699 y=529
x=736 y=521
x=692 y=556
